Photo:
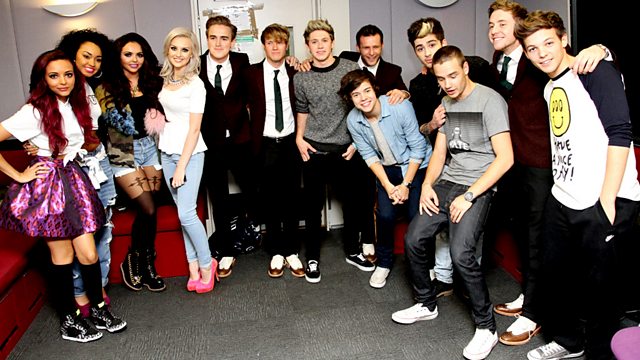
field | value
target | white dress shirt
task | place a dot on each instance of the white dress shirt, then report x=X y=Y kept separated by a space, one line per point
x=269 y=97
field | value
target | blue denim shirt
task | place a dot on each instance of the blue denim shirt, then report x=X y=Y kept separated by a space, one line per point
x=399 y=127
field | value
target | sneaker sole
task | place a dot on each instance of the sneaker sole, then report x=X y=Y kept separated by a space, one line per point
x=112 y=330
x=97 y=337
x=313 y=281
x=570 y=356
x=367 y=269
x=377 y=285
x=404 y=321
x=479 y=356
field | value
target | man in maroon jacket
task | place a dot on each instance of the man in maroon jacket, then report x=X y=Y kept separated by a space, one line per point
x=527 y=185
x=271 y=101
x=225 y=129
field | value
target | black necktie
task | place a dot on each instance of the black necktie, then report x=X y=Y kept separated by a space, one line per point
x=218 y=80
x=278 y=102
x=503 y=73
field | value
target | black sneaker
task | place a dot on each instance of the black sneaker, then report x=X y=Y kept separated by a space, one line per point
x=359 y=261
x=102 y=318
x=312 y=272
x=441 y=288
x=75 y=328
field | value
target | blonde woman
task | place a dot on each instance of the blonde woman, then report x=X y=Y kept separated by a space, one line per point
x=182 y=149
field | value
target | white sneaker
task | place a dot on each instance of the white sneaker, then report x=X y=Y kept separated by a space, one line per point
x=415 y=313
x=552 y=351
x=481 y=345
x=368 y=249
x=379 y=277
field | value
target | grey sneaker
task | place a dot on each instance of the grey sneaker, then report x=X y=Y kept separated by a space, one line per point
x=552 y=351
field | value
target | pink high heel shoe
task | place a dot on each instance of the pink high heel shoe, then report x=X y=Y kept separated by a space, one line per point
x=201 y=287
x=192 y=285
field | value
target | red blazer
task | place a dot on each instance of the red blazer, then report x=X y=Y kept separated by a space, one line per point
x=228 y=111
x=528 y=114
x=388 y=75
x=254 y=83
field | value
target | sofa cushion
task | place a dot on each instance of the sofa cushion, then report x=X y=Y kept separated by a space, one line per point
x=13 y=256
x=167 y=220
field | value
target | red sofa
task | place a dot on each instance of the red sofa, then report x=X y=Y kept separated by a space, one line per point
x=22 y=286
x=171 y=259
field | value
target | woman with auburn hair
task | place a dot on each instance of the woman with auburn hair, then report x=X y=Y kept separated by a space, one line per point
x=131 y=111
x=182 y=149
x=53 y=198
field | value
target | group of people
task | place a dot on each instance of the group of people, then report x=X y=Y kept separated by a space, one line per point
x=438 y=152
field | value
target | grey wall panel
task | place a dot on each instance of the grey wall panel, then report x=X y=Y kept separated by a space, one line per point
x=11 y=91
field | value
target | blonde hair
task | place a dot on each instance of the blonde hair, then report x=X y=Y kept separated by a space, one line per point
x=314 y=25
x=193 y=67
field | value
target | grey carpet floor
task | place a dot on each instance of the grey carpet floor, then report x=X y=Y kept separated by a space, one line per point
x=251 y=316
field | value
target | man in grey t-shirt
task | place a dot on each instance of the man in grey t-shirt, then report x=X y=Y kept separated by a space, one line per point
x=325 y=146
x=476 y=137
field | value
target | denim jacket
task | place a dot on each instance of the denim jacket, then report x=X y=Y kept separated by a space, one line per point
x=399 y=127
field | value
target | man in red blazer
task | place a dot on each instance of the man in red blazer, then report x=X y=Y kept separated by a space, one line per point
x=225 y=129
x=271 y=101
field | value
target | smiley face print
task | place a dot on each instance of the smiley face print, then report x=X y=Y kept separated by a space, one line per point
x=559 y=114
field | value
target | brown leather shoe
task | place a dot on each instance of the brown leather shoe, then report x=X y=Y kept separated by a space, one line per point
x=504 y=309
x=372 y=258
x=508 y=338
x=276 y=266
x=293 y=260
x=226 y=272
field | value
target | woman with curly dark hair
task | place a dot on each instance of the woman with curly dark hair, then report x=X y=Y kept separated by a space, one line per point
x=89 y=49
x=53 y=198
x=132 y=113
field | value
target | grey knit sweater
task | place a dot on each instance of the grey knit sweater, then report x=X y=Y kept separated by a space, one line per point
x=317 y=95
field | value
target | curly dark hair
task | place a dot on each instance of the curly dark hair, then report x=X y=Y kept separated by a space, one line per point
x=71 y=41
x=149 y=83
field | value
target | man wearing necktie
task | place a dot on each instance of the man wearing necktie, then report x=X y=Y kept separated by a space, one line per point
x=271 y=103
x=526 y=186
x=225 y=129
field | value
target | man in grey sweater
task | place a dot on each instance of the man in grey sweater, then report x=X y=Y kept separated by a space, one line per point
x=325 y=146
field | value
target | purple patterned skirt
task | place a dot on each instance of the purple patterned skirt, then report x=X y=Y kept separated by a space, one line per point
x=63 y=204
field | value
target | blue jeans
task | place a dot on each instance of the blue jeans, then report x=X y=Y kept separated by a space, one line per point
x=196 y=241
x=387 y=213
x=102 y=237
x=463 y=238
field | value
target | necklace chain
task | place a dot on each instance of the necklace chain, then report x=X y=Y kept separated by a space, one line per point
x=171 y=81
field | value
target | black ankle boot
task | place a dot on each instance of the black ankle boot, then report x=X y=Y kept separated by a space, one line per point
x=150 y=277
x=130 y=269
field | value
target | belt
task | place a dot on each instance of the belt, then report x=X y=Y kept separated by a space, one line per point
x=277 y=140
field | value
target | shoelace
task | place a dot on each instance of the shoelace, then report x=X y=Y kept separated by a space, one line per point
x=550 y=348
x=313 y=266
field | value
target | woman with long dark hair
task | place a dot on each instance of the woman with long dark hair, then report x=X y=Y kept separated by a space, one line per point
x=89 y=49
x=129 y=101
x=53 y=198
